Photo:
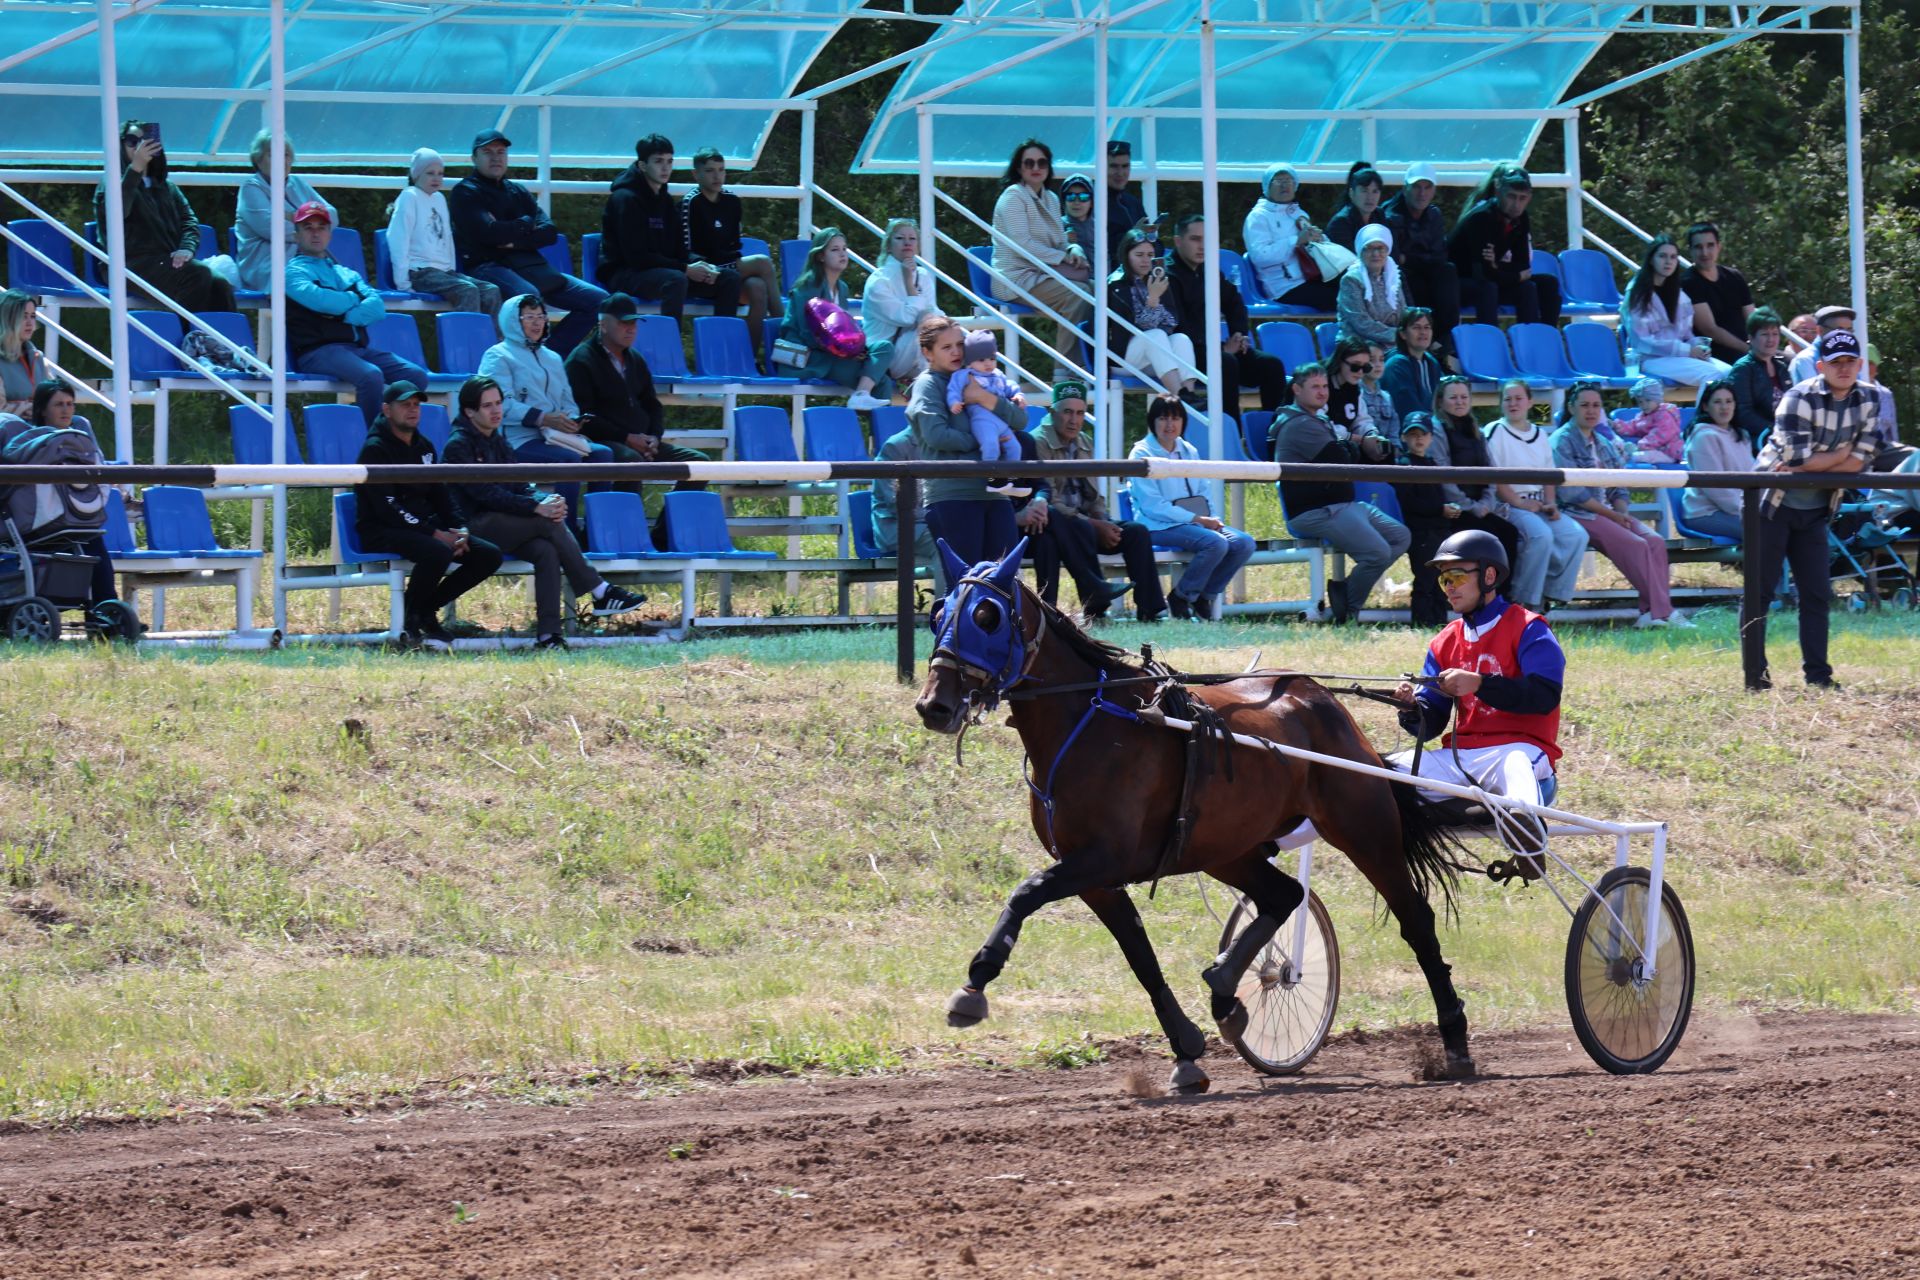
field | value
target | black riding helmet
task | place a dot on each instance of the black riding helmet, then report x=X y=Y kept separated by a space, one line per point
x=1473 y=547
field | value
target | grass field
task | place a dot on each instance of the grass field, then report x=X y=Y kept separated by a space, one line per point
x=317 y=876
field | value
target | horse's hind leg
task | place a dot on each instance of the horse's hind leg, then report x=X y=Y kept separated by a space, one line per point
x=1116 y=911
x=968 y=1005
x=1275 y=896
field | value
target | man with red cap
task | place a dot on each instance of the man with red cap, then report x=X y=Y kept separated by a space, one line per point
x=328 y=310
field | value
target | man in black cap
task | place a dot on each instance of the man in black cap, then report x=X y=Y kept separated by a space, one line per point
x=417 y=522
x=499 y=230
x=1125 y=210
x=618 y=404
x=1830 y=423
x=1492 y=248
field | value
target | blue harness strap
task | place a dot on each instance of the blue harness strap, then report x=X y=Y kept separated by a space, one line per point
x=1095 y=706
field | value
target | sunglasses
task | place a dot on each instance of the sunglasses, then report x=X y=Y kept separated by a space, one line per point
x=1036 y=162
x=1079 y=196
x=1365 y=366
x=1455 y=577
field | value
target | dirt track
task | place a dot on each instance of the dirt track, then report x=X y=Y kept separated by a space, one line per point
x=1780 y=1146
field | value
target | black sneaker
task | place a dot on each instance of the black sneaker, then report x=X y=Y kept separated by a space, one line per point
x=430 y=635
x=1206 y=608
x=552 y=642
x=1178 y=605
x=617 y=601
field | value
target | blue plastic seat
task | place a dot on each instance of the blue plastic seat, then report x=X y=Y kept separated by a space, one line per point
x=590 y=258
x=1199 y=434
x=1289 y=340
x=383 y=274
x=253 y=436
x=335 y=433
x=1325 y=336
x=436 y=426
x=399 y=333
x=347 y=250
x=1545 y=264
x=722 y=352
x=147 y=360
x=1587 y=283
x=617 y=526
x=29 y=273
x=832 y=434
x=697 y=526
x=1254 y=428
x=1538 y=352
x=1380 y=495
x=209 y=242
x=1484 y=357
x=346 y=517
x=559 y=255
x=1676 y=508
x=755 y=247
x=464 y=337
x=177 y=524
x=1594 y=349
x=979 y=258
x=888 y=421
x=793 y=262
x=763 y=433
x=860 y=524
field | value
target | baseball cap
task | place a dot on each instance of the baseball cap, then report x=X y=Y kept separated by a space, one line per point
x=1417 y=421
x=309 y=211
x=1422 y=172
x=401 y=390
x=1119 y=147
x=1516 y=180
x=620 y=306
x=488 y=138
x=1825 y=315
x=1841 y=342
x=1069 y=389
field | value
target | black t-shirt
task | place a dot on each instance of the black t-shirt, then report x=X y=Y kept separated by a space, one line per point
x=713 y=228
x=1343 y=406
x=1727 y=298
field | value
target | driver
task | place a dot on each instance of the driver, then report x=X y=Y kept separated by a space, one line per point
x=1504 y=668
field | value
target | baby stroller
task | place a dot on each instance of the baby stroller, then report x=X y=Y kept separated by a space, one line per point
x=44 y=570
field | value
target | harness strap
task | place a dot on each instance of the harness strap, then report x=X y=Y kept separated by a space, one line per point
x=1095 y=706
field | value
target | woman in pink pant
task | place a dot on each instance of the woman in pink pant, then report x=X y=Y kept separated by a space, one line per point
x=1640 y=552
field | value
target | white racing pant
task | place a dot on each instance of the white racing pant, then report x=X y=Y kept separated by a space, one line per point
x=1515 y=769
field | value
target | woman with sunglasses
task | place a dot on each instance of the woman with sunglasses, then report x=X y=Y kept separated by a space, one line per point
x=1637 y=551
x=1352 y=362
x=1551 y=543
x=1076 y=214
x=1030 y=246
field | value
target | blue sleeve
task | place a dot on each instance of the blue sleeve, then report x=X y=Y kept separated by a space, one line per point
x=1541 y=654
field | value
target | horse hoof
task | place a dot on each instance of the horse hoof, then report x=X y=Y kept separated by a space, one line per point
x=1460 y=1067
x=1234 y=1024
x=1188 y=1077
x=966 y=1008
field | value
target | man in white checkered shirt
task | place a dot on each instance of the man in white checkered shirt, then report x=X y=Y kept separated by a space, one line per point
x=1830 y=423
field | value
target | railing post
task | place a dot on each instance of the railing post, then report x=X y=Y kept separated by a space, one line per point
x=929 y=243
x=277 y=122
x=544 y=175
x=805 y=178
x=906 y=503
x=1576 y=201
x=114 y=214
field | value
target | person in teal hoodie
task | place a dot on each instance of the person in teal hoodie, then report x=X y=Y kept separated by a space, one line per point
x=865 y=374
x=328 y=310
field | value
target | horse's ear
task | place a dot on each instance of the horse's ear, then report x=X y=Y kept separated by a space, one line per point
x=1008 y=570
x=956 y=567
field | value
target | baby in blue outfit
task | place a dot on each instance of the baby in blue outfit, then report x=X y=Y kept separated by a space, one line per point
x=996 y=441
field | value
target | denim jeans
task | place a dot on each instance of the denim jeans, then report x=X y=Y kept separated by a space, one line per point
x=580 y=300
x=1368 y=536
x=367 y=370
x=1549 y=563
x=1217 y=556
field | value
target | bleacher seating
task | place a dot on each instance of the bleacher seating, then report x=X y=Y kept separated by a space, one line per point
x=1587 y=283
x=181 y=552
x=722 y=352
x=617 y=527
x=464 y=337
x=1325 y=336
x=400 y=334
x=383 y=279
x=1288 y=339
x=832 y=434
x=436 y=425
x=335 y=433
x=1594 y=350
x=793 y=262
x=1484 y=356
x=346 y=249
x=25 y=271
x=253 y=436
x=697 y=526
x=559 y=255
x=979 y=258
x=1539 y=353
x=1255 y=426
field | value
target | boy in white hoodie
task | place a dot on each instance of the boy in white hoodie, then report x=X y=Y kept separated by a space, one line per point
x=420 y=241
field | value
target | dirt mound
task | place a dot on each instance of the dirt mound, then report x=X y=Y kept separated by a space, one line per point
x=1770 y=1146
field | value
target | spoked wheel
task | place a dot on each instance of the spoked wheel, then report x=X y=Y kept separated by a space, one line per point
x=113 y=620
x=1628 y=1023
x=1290 y=999
x=34 y=618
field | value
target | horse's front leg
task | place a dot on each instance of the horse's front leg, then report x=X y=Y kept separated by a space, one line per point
x=1066 y=879
x=1275 y=896
x=1115 y=909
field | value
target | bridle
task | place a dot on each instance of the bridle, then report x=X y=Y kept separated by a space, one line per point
x=964 y=644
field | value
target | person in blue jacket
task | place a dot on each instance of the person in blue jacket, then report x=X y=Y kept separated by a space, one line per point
x=328 y=310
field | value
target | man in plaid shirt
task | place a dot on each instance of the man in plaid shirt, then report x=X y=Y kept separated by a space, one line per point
x=1829 y=423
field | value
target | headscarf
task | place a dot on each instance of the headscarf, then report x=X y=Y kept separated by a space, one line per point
x=1266 y=184
x=421 y=159
x=1370 y=234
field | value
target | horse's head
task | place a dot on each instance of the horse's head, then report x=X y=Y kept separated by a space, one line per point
x=983 y=639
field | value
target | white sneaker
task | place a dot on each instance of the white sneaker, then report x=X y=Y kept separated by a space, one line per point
x=1011 y=490
x=1681 y=621
x=865 y=400
x=1646 y=620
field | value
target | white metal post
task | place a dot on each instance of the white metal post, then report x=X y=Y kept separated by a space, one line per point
x=1209 y=358
x=1107 y=410
x=1856 y=196
x=804 y=179
x=1369 y=140
x=277 y=122
x=544 y=174
x=1150 y=153
x=1576 y=202
x=929 y=243
x=114 y=214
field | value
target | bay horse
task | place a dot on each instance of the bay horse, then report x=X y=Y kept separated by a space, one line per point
x=995 y=639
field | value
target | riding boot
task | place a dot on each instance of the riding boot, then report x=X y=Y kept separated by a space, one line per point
x=1337 y=604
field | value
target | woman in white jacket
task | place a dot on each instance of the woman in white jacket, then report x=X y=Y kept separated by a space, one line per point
x=542 y=419
x=1027 y=230
x=1275 y=227
x=1659 y=320
x=896 y=296
x=420 y=241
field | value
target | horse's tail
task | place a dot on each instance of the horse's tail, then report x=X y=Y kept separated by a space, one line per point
x=1431 y=848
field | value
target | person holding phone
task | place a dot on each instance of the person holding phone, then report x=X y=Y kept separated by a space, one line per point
x=1492 y=249
x=161 y=232
x=1140 y=292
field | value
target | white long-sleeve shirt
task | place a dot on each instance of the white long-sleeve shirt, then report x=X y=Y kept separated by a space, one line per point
x=419 y=235
x=888 y=311
x=1652 y=334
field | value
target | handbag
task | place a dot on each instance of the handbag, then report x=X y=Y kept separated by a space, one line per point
x=568 y=440
x=1331 y=258
x=788 y=353
x=1195 y=503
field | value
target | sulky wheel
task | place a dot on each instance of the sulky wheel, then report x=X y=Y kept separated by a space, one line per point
x=34 y=618
x=1290 y=1000
x=1627 y=1023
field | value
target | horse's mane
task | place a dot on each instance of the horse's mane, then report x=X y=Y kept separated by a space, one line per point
x=1110 y=659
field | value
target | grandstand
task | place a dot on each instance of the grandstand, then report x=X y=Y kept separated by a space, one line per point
x=1189 y=83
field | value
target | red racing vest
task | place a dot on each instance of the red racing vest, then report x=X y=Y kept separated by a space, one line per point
x=1495 y=653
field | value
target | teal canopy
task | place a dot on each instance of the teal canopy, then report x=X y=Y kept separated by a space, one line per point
x=352 y=63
